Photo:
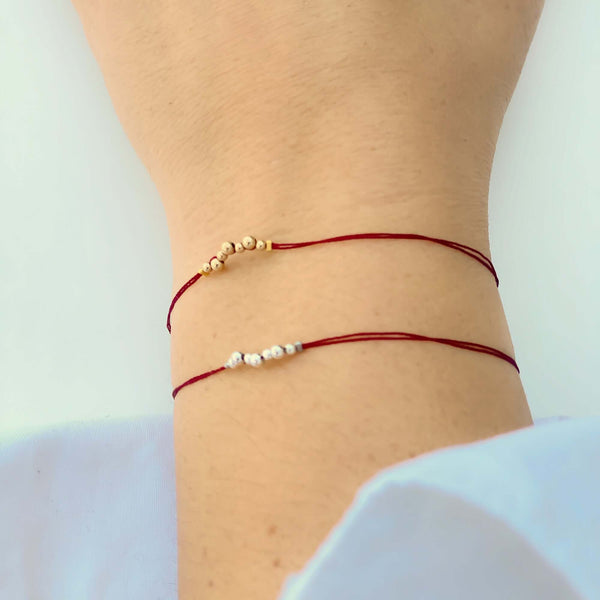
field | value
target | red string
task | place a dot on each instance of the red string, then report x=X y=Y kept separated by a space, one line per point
x=374 y=335
x=178 y=295
x=472 y=252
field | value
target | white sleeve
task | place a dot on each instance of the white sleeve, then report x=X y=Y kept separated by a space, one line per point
x=88 y=511
x=514 y=516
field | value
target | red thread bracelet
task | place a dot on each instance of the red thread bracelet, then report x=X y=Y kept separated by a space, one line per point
x=217 y=263
x=278 y=351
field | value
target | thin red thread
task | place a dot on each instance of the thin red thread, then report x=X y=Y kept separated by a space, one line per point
x=374 y=335
x=472 y=252
x=178 y=295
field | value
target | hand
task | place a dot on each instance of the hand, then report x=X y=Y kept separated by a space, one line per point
x=188 y=79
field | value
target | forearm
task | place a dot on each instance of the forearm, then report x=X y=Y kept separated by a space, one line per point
x=299 y=121
x=268 y=460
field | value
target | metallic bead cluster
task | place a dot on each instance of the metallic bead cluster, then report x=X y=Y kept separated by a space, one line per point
x=217 y=263
x=255 y=359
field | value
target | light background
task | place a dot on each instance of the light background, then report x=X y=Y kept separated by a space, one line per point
x=84 y=250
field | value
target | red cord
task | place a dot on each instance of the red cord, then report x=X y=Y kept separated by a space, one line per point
x=178 y=295
x=472 y=252
x=373 y=335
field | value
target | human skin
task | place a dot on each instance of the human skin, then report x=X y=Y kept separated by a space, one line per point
x=296 y=121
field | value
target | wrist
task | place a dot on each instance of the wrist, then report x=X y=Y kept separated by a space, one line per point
x=382 y=148
x=363 y=163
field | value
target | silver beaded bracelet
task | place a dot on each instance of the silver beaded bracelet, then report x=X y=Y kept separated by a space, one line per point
x=255 y=359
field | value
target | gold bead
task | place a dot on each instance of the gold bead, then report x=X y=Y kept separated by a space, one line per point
x=269 y=245
x=222 y=256
x=239 y=247
x=261 y=244
x=216 y=264
x=206 y=269
x=249 y=242
x=228 y=247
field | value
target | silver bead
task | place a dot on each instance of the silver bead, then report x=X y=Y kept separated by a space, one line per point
x=229 y=364
x=239 y=247
x=247 y=358
x=222 y=256
x=277 y=351
x=216 y=264
x=290 y=349
x=236 y=359
x=206 y=269
x=266 y=354
x=249 y=242
x=261 y=244
x=298 y=346
x=228 y=248
x=255 y=360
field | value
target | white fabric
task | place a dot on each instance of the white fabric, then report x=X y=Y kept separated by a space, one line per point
x=87 y=511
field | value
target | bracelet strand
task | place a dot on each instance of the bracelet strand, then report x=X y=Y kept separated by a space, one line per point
x=217 y=262
x=279 y=351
